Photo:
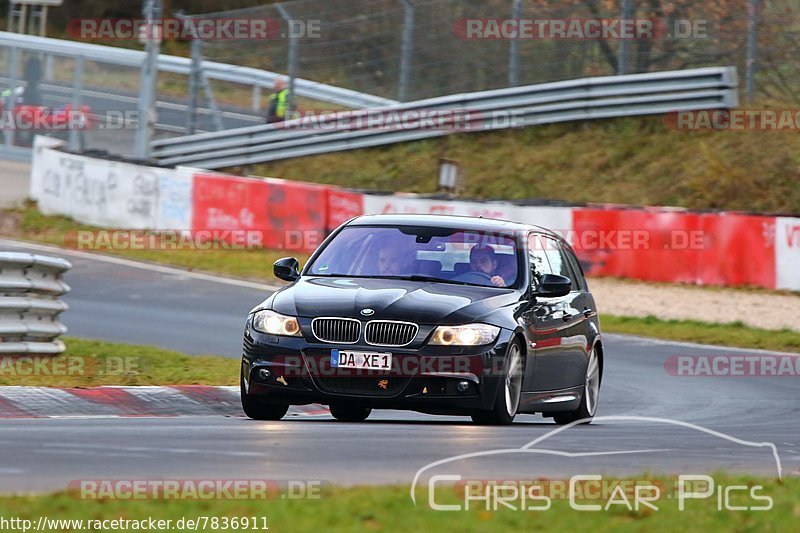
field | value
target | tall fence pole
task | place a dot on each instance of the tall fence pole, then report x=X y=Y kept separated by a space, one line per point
x=513 y=48
x=147 y=82
x=751 y=67
x=292 y=59
x=75 y=134
x=11 y=99
x=194 y=86
x=624 y=44
x=406 y=50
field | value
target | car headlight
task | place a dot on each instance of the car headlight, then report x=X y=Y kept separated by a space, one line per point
x=466 y=335
x=276 y=324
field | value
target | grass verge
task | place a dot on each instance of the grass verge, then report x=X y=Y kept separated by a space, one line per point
x=90 y=363
x=389 y=508
x=734 y=334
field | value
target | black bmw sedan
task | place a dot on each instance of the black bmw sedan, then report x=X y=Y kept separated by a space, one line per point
x=437 y=314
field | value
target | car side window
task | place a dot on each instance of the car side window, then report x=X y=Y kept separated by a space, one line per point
x=537 y=258
x=576 y=268
x=559 y=261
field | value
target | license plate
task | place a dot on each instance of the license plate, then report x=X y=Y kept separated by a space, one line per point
x=361 y=360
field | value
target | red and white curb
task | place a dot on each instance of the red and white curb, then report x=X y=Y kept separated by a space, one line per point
x=112 y=401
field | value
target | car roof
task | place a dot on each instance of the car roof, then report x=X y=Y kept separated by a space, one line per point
x=447 y=222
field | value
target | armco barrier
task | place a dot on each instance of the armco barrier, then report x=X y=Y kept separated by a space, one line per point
x=29 y=306
x=727 y=249
x=652 y=93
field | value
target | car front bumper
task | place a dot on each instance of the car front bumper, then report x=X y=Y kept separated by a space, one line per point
x=424 y=378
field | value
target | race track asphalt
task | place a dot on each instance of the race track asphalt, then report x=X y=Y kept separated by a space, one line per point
x=680 y=425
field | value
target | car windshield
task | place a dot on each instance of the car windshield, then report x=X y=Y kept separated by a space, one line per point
x=446 y=255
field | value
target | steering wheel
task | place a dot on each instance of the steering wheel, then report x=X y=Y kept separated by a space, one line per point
x=474 y=276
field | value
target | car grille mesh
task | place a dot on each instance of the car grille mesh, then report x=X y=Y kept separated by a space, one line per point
x=363 y=385
x=390 y=333
x=341 y=330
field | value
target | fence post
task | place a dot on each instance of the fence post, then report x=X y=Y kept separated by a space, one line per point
x=194 y=83
x=292 y=59
x=406 y=50
x=77 y=86
x=513 y=48
x=751 y=67
x=256 y=98
x=148 y=80
x=11 y=99
x=624 y=44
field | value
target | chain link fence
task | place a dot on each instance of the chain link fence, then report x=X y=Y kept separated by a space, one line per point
x=414 y=49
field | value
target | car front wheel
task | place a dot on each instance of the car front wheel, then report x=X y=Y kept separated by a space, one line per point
x=509 y=392
x=591 y=393
x=256 y=408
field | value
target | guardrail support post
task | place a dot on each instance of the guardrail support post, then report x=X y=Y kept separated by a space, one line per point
x=513 y=48
x=406 y=50
x=256 y=98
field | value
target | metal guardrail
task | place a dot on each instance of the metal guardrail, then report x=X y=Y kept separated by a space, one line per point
x=29 y=305
x=182 y=65
x=590 y=98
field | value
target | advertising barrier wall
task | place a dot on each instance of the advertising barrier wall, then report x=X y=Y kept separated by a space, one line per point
x=787 y=253
x=108 y=194
x=650 y=244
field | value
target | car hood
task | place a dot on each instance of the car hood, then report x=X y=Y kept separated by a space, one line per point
x=414 y=301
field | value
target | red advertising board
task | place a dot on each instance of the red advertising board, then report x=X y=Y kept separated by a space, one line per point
x=342 y=206
x=639 y=244
x=228 y=203
x=740 y=250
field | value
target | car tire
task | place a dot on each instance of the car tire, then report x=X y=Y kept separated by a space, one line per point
x=256 y=408
x=509 y=392
x=591 y=393
x=350 y=413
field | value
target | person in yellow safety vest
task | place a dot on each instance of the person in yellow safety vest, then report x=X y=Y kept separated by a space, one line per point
x=278 y=103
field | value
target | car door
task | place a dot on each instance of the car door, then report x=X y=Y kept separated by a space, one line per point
x=541 y=318
x=560 y=329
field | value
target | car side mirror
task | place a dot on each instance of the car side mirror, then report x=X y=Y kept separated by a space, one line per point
x=287 y=269
x=553 y=286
